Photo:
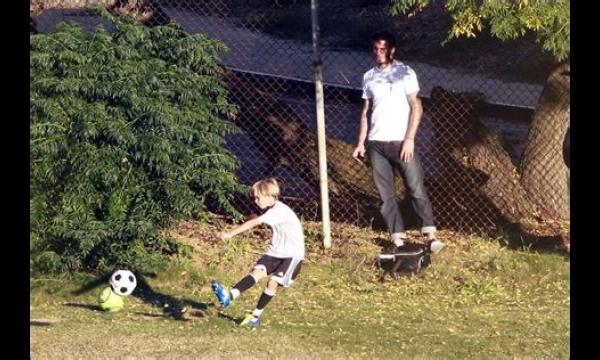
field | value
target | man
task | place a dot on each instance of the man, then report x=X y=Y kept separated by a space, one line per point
x=391 y=89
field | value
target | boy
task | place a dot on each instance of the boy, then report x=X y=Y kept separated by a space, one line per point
x=282 y=260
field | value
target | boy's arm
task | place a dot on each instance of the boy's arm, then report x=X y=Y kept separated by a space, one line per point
x=240 y=229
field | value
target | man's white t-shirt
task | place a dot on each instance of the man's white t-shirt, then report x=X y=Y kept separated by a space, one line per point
x=387 y=89
x=288 y=238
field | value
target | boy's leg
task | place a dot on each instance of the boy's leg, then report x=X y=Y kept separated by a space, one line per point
x=285 y=270
x=268 y=294
x=247 y=282
x=226 y=296
x=265 y=297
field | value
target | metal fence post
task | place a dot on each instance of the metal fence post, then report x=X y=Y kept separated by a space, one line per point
x=320 y=108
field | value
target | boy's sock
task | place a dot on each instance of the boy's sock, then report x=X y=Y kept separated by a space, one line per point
x=264 y=299
x=257 y=313
x=246 y=283
x=234 y=293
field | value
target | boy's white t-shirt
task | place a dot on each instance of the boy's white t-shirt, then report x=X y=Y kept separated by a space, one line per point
x=288 y=238
x=387 y=89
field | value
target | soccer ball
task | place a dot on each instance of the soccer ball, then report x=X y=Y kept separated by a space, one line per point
x=109 y=301
x=123 y=282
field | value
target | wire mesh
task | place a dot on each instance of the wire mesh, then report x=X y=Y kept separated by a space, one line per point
x=483 y=158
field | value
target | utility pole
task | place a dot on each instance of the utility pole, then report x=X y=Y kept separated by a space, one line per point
x=320 y=107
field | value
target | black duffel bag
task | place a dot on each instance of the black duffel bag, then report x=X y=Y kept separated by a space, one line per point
x=406 y=260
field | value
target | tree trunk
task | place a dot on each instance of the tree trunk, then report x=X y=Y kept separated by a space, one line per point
x=544 y=173
x=535 y=198
x=474 y=167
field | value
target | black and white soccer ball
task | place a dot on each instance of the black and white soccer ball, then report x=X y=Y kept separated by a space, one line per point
x=123 y=282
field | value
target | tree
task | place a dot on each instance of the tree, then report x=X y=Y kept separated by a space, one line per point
x=548 y=20
x=126 y=135
x=540 y=181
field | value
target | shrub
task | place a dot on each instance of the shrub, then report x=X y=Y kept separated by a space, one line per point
x=126 y=135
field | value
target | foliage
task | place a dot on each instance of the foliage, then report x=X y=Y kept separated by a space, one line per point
x=548 y=20
x=126 y=134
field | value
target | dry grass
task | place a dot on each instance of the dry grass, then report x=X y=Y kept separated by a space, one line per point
x=477 y=300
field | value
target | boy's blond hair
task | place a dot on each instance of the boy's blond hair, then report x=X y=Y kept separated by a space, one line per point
x=268 y=187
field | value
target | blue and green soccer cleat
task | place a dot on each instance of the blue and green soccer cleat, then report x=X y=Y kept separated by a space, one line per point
x=221 y=292
x=251 y=320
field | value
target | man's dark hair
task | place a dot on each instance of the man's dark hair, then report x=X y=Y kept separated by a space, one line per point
x=384 y=35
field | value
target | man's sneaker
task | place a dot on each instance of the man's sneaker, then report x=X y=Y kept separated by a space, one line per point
x=435 y=246
x=222 y=293
x=250 y=320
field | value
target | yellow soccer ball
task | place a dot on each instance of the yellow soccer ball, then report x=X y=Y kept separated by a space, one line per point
x=110 y=301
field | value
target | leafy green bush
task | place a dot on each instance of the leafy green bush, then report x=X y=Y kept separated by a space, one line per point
x=126 y=135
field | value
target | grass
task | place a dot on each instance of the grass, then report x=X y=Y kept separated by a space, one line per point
x=478 y=300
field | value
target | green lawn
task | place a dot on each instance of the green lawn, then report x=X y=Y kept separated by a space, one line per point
x=478 y=300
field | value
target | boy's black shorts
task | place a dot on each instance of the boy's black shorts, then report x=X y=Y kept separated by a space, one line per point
x=280 y=268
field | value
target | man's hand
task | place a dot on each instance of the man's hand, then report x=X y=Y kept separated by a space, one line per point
x=408 y=150
x=359 y=153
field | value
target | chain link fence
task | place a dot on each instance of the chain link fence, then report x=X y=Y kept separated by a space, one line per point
x=484 y=159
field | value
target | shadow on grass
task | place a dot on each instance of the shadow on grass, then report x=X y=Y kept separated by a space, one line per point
x=91 y=285
x=85 y=306
x=38 y=323
x=517 y=238
x=235 y=320
x=171 y=306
